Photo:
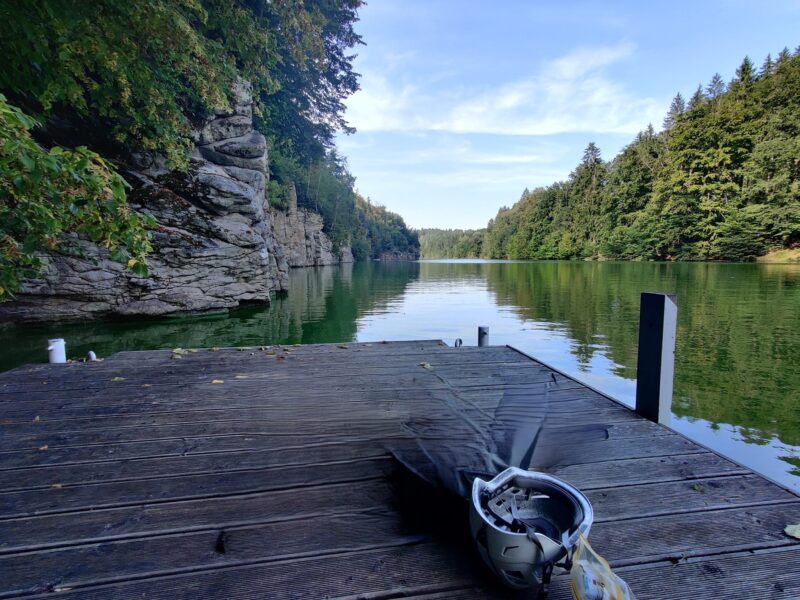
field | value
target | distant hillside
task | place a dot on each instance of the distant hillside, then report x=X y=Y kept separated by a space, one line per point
x=451 y=243
x=721 y=181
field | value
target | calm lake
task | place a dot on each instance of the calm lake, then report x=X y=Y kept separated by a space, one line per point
x=738 y=346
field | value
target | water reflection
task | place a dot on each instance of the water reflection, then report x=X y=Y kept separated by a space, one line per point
x=737 y=372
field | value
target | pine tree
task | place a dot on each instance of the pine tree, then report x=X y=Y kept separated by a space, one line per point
x=768 y=68
x=716 y=87
x=697 y=98
x=676 y=108
x=746 y=72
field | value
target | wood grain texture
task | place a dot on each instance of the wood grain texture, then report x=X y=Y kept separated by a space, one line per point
x=139 y=477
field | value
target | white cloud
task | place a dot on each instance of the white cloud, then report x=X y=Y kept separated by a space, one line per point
x=570 y=94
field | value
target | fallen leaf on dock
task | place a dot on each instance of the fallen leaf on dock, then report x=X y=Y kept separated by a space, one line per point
x=343 y=347
x=56 y=486
x=699 y=488
x=36 y=419
x=217 y=381
x=425 y=365
x=240 y=376
x=793 y=530
x=213 y=349
x=117 y=379
x=45 y=447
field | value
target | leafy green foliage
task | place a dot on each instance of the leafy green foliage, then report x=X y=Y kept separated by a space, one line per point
x=378 y=230
x=132 y=76
x=47 y=196
x=327 y=187
x=721 y=182
x=451 y=243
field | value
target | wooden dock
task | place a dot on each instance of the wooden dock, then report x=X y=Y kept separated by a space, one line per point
x=265 y=473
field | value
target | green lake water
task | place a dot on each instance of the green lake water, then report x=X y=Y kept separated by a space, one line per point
x=738 y=346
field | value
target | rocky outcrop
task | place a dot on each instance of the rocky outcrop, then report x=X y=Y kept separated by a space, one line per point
x=298 y=235
x=217 y=243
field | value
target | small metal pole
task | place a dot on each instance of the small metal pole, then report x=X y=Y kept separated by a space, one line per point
x=656 y=362
x=483 y=336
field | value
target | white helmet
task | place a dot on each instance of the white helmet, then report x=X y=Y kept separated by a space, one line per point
x=525 y=523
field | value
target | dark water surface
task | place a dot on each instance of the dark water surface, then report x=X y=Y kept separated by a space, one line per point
x=738 y=348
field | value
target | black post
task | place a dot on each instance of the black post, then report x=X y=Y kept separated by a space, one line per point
x=483 y=336
x=656 y=361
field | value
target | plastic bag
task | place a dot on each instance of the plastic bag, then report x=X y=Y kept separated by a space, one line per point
x=592 y=577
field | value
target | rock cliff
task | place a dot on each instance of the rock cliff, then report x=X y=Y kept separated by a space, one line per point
x=217 y=243
x=299 y=238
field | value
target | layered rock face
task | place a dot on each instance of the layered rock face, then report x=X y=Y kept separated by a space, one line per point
x=217 y=243
x=299 y=237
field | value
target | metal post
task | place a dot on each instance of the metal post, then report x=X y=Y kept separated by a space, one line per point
x=656 y=363
x=483 y=336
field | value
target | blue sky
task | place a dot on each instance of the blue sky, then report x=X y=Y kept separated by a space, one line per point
x=464 y=104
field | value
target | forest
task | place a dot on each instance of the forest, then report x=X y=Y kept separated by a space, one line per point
x=720 y=181
x=86 y=85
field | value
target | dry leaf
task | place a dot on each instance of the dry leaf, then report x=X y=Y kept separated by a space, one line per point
x=146 y=385
x=425 y=365
x=240 y=376
x=56 y=486
x=213 y=349
x=36 y=419
x=117 y=379
x=793 y=530
x=45 y=447
x=343 y=347
x=217 y=381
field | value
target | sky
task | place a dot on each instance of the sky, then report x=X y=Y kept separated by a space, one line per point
x=464 y=104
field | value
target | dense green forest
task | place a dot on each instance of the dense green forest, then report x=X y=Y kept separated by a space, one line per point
x=85 y=84
x=721 y=181
x=451 y=243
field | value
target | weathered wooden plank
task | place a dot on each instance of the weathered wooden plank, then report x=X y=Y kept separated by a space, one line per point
x=768 y=575
x=673 y=498
x=94 y=564
x=398 y=571
x=320 y=453
x=677 y=537
x=622 y=472
x=207 y=514
x=149 y=491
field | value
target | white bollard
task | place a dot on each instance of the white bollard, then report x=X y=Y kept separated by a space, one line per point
x=57 y=351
